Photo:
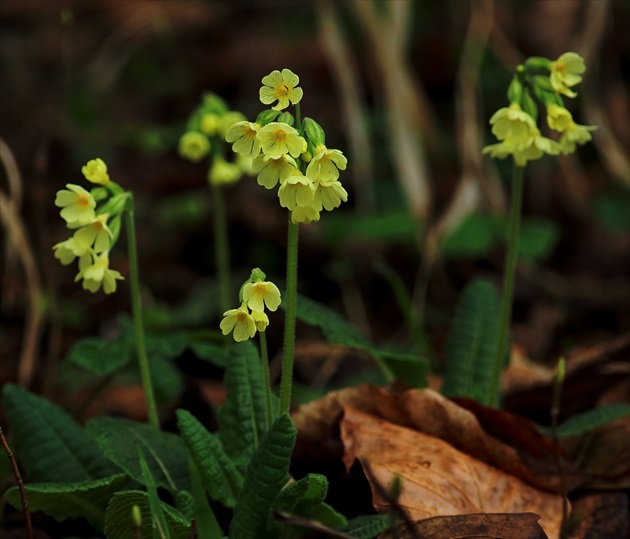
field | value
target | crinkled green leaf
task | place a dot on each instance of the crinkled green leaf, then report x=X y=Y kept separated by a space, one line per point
x=474 y=237
x=214 y=353
x=168 y=380
x=219 y=475
x=242 y=418
x=101 y=356
x=166 y=453
x=205 y=521
x=87 y=499
x=266 y=474
x=471 y=344
x=538 y=238
x=592 y=419
x=158 y=520
x=119 y=523
x=49 y=444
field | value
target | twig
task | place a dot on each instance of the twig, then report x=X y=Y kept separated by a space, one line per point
x=20 y=483
x=555 y=411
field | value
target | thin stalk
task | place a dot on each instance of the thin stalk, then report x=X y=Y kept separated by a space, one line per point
x=20 y=484
x=289 y=320
x=508 y=283
x=136 y=303
x=555 y=412
x=221 y=248
x=264 y=356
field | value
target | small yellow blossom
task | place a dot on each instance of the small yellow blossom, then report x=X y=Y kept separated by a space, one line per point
x=304 y=214
x=95 y=171
x=228 y=120
x=96 y=233
x=77 y=205
x=209 y=123
x=566 y=71
x=561 y=120
x=278 y=138
x=244 y=135
x=193 y=146
x=240 y=322
x=98 y=274
x=538 y=145
x=513 y=125
x=326 y=164
x=296 y=190
x=261 y=320
x=329 y=195
x=281 y=86
x=222 y=172
x=271 y=171
x=260 y=294
x=66 y=251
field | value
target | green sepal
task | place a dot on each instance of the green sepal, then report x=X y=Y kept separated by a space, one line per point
x=114 y=205
x=267 y=116
x=529 y=105
x=538 y=62
x=314 y=133
x=99 y=193
x=515 y=90
x=287 y=118
x=212 y=103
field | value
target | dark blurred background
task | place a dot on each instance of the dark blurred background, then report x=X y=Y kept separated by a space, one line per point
x=404 y=89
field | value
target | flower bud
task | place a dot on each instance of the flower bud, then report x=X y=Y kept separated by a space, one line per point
x=314 y=132
x=287 y=118
x=266 y=116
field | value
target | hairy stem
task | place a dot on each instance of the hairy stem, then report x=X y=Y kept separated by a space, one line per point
x=264 y=356
x=221 y=247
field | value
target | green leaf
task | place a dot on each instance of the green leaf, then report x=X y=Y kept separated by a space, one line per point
x=158 y=521
x=368 y=526
x=266 y=474
x=538 y=238
x=87 y=499
x=168 y=380
x=49 y=444
x=581 y=423
x=471 y=344
x=475 y=236
x=305 y=498
x=119 y=522
x=166 y=453
x=612 y=208
x=337 y=330
x=242 y=418
x=218 y=473
x=393 y=227
x=214 y=353
x=100 y=356
x=205 y=522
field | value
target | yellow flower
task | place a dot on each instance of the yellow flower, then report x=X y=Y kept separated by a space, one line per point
x=513 y=125
x=561 y=120
x=304 y=214
x=228 y=120
x=296 y=190
x=538 y=145
x=326 y=164
x=261 y=320
x=95 y=171
x=260 y=294
x=240 y=322
x=222 y=172
x=97 y=274
x=209 y=123
x=271 y=171
x=244 y=135
x=66 y=251
x=193 y=146
x=278 y=138
x=329 y=195
x=96 y=233
x=281 y=86
x=78 y=205
x=566 y=71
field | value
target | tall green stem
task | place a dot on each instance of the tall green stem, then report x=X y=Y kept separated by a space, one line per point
x=221 y=248
x=136 y=303
x=266 y=377
x=508 y=283
x=289 y=320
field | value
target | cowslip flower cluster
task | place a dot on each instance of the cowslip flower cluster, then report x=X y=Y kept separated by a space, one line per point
x=255 y=295
x=204 y=136
x=95 y=217
x=290 y=154
x=539 y=81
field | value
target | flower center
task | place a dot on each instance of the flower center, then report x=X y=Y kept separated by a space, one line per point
x=280 y=136
x=282 y=90
x=83 y=201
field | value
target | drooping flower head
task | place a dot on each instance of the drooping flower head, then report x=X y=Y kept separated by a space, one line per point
x=95 y=171
x=240 y=322
x=244 y=135
x=513 y=125
x=296 y=190
x=222 y=172
x=326 y=164
x=566 y=71
x=95 y=234
x=560 y=119
x=97 y=274
x=193 y=146
x=273 y=170
x=261 y=294
x=77 y=205
x=280 y=86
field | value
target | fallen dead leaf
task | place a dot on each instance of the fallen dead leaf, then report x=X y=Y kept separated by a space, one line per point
x=439 y=480
x=600 y=516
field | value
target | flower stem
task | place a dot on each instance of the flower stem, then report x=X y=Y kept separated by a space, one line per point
x=136 y=303
x=221 y=249
x=508 y=284
x=289 y=321
x=266 y=377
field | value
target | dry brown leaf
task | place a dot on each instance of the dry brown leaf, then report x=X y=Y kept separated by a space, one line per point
x=480 y=526
x=600 y=516
x=438 y=479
